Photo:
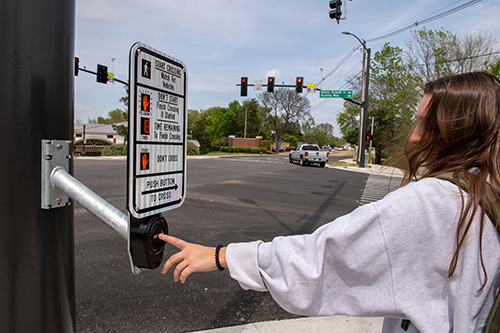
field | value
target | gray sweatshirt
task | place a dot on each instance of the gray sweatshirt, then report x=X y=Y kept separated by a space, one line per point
x=386 y=259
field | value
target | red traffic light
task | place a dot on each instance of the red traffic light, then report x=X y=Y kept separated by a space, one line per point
x=270 y=84
x=77 y=65
x=298 y=85
x=244 y=86
x=369 y=137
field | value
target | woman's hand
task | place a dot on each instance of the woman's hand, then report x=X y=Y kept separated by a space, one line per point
x=192 y=258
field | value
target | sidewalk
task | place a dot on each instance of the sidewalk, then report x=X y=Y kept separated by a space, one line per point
x=374 y=169
x=334 y=324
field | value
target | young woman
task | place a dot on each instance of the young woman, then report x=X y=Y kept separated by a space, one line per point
x=426 y=253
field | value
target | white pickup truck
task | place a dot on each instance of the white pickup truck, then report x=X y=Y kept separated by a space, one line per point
x=306 y=153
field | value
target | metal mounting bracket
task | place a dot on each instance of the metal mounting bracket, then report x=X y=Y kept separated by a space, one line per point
x=55 y=153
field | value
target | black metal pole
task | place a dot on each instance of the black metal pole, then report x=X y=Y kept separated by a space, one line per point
x=37 y=279
x=83 y=143
x=364 y=105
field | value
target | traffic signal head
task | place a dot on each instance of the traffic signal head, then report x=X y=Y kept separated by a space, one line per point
x=270 y=84
x=244 y=86
x=77 y=65
x=336 y=12
x=299 y=84
x=369 y=137
x=102 y=74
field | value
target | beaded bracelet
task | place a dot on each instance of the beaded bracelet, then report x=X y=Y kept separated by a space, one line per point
x=217 y=263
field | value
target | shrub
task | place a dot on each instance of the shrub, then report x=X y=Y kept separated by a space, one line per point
x=263 y=150
x=220 y=143
x=255 y=150
x=224 y=149
x=265 y=144
x=248 y=150
x=192 y=149
x=119 y=149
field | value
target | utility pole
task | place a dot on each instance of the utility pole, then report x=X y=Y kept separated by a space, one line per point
x=364 y=101
x=245 y=123
x=83 y=143
x=37 y=278
x=370 y=150
x=113 y=70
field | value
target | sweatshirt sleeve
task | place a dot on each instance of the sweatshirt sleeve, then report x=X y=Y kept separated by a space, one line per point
x=342 y=268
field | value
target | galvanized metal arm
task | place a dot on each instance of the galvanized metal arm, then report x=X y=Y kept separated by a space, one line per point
x=89 y=200
x=56 y=179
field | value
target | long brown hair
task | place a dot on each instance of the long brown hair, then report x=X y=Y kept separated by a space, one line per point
x=461 y=134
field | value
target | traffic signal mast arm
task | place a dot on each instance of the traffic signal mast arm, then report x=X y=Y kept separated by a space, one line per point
x=276 y=85
x=95 y=73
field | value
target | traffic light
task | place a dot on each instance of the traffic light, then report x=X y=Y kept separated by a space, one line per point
x=336 y=12
x=369 y=137
x=102 y=74
x=298 y=85
x=77 y=65
x=270 y=84
x=244 y=86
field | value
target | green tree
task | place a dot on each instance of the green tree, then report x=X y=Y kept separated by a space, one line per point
x=221 y=121
x=325 y=134
x=433 y=54
x=348 y=120
x=394 y=99
x=283 y=108
x=495 y=68
x=121 y=130
x=252 y=111
x=428 y=54
x=290 y=139
x=125 y=99
x=114 y=116
x=398 y=77
x=197 y=125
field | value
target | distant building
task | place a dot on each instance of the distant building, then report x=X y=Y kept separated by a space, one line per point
x=97 y=137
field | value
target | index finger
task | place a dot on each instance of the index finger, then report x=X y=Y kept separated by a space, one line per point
x=179 y=243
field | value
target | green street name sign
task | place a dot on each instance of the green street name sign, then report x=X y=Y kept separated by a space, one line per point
x=335 y=94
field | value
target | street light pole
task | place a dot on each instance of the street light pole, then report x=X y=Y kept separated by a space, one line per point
x=364 y=101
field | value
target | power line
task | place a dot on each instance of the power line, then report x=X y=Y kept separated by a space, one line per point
x=326 y=100
x=473 y=57
x=403 y=29
x=398 y=31
x=423 y=21
x=340 y=63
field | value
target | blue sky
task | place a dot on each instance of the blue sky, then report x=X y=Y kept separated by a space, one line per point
x=220 y=41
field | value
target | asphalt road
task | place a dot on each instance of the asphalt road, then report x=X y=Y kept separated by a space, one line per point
x=228 y=200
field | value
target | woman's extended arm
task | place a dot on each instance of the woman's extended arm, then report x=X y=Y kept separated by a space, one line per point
x=192 y=258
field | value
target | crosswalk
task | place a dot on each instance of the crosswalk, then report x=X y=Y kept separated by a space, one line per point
x=378 y=186
x=273 y=160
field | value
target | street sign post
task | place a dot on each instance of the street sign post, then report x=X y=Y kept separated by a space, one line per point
x=335 y=94
x=157 y=132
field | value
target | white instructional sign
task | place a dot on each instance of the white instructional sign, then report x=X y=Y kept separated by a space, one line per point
x=157 y=132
